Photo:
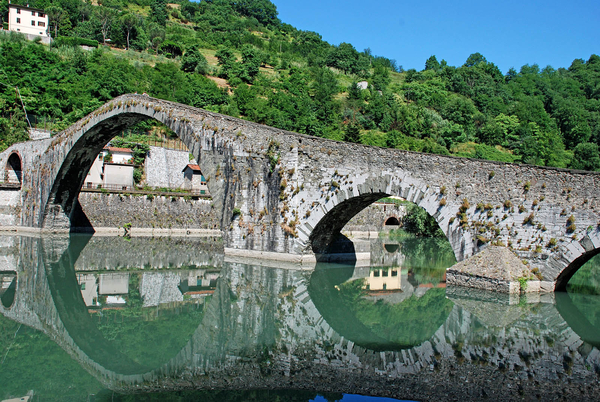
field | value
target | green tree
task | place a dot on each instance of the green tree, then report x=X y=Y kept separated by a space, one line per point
x=226 y=59
x=158 y=12
x=156 y=35
x=381 y=78
x=56 y=17
x=105 y=17
x=263 y=10
x=352 y=132
x=586 y=157
x=85 y=11
x=13 y=126
x=323 y=88
x=250 y=63
x=129 y=21
x=432 y=64
x=194 y=61
x=418 y=222
x=475 y=59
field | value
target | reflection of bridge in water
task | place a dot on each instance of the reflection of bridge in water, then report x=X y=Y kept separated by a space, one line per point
x=286 y=328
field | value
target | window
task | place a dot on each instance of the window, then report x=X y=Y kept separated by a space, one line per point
x=18 y=11
x=376 y=273
x=83 y=286
x=33 y=13
x=385 y=286
x=41 y=24
x=384 y=272
x=32 y=23
x=18 y=20
x=41 y=15
x=394 y=272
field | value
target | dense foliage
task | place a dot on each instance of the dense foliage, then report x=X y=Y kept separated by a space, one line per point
x=272 y=73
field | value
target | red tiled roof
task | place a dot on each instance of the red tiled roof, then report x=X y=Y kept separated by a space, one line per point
x=195 y=168
x=115 y=149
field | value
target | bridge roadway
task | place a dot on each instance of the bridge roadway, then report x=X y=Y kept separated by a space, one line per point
x=295 y=192
x=291 y=312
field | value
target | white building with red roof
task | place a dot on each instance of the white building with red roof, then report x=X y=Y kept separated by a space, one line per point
x=193 y=179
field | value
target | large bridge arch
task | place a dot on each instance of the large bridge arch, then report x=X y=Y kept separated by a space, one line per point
x=578 y=253
x=86 y=144
x=346 y=201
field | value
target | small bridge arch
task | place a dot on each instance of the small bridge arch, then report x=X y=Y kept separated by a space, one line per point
x=392 y=221
x=13 y=171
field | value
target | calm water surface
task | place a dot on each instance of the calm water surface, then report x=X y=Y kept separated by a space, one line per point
x=107 y=318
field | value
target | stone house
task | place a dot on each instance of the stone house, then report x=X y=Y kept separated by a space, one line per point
x=193 y=179
x=27 y=20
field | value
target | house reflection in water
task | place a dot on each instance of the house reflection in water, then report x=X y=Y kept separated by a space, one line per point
x=113 y=289
x=199 y=283
x=384 y=279
x=99 y=290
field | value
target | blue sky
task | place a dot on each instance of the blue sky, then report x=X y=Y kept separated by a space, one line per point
x=508 y=33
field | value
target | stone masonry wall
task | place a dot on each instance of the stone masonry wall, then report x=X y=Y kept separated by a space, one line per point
x=115 y=210
x=373 y=217
x=164 y=167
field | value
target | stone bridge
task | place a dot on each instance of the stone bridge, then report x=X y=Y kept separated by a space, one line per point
x=281 y=193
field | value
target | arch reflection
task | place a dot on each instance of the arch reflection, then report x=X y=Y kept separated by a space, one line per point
x=389 y=307
x=8 y=287
x=114 y=316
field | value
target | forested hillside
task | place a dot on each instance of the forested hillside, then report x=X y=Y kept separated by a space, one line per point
x=238 y=58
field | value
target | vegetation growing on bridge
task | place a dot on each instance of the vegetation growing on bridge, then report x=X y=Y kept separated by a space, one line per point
x=238 y=58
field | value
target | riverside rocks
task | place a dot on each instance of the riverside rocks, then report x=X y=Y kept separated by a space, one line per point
x=497 y=269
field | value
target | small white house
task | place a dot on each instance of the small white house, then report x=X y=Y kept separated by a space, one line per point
x=113 y=167
x=118 y=155
x=118 y=175
x=193 y=179
x=27 y=20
